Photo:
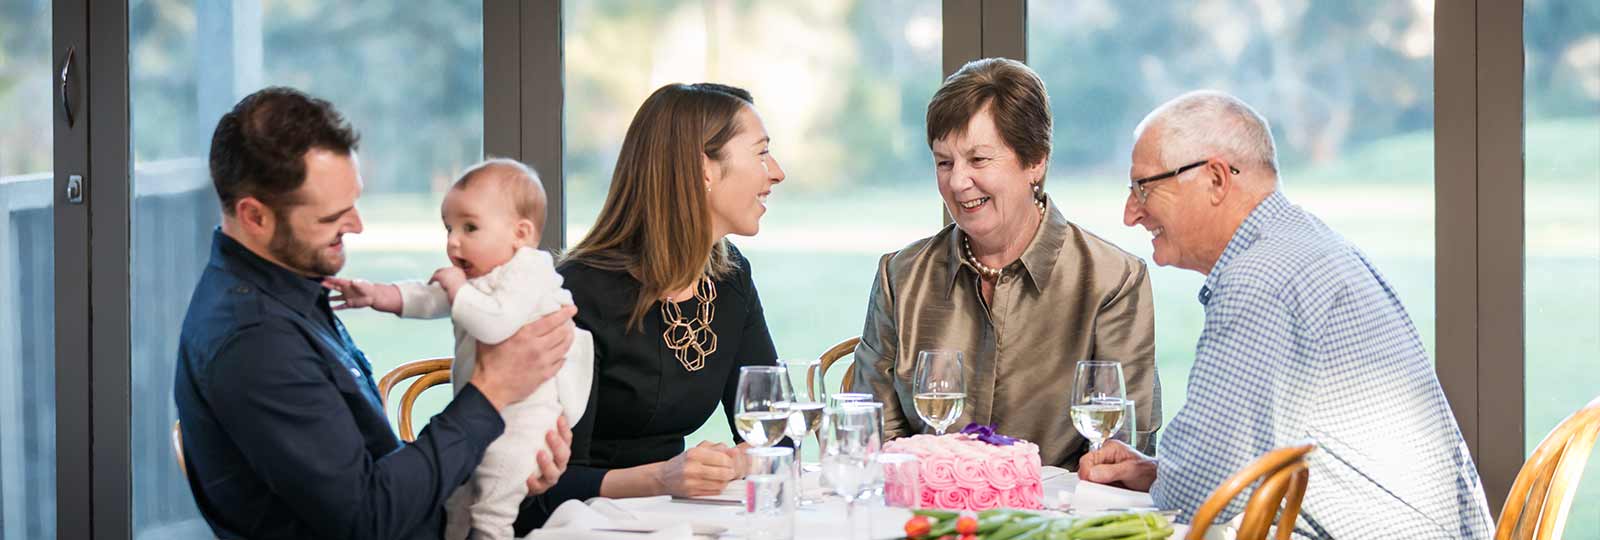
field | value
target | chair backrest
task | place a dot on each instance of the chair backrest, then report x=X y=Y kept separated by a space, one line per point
x=177 y=447
x=834 y=353
x=1541 y=496
x=430 y=373
x=1283 y=476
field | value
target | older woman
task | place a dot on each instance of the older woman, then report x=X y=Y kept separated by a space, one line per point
x=1021 y=291
x=671 y=303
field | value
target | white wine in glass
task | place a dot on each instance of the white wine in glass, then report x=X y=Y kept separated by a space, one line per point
x=939 y=388
x=762 y=405
x=1098 y=419
x=804 y=419
x=1098 y=393
x=939 y=408
x=764 y=428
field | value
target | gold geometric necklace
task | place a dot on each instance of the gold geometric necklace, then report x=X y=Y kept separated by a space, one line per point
x=695 y=333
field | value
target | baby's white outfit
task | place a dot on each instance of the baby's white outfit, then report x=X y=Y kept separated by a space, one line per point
x=490 y=309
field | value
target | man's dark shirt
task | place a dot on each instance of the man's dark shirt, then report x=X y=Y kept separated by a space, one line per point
x=284 y=433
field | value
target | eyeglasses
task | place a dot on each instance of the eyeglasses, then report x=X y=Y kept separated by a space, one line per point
x=1139 y=191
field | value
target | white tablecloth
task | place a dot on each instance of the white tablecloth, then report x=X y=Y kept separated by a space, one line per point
x=822 y=521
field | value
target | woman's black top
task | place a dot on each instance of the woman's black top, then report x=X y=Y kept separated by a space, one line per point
x=643 y=402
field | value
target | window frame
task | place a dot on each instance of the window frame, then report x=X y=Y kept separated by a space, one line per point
x=1479 y=198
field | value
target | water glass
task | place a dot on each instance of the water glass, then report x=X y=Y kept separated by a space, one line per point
x=770 y=493
x=841 y=398
x=849 y=434
x=1129 y=434
x=902 y=487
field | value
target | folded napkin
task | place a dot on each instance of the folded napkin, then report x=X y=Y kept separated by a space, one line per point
x=1091 y=497
x=603 y=519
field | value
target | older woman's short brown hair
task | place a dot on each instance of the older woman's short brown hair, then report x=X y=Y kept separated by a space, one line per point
x=1015 y=96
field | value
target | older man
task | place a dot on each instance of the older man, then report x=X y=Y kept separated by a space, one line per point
x=1303 y=341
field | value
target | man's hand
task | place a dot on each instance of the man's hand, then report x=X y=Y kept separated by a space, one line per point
x=551 y=466
x=451 y=279
x=703 y=470
x=511 y=370
x=360 y=293
x=1116 y=463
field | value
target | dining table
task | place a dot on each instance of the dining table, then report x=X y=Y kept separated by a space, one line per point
x=721 y=516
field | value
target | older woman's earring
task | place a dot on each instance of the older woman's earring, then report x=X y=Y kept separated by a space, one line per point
x=1038 y=197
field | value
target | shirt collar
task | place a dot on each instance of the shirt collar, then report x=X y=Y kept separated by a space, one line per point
x=1249 y=231
x=1038 y=260
x=298 y=291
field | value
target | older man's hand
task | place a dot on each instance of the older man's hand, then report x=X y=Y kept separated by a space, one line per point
x=511 y=370
x=553 y=462
x=1116 y=463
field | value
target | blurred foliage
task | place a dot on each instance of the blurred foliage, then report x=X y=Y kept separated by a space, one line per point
x=845 y=81
x=410 y=80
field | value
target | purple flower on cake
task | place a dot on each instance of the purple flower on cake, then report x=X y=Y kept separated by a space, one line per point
x=987 y=434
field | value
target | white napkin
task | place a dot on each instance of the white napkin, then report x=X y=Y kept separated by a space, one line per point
x=604 y=520
x=1091 y=497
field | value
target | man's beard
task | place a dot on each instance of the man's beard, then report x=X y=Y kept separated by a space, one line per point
x=300 y=255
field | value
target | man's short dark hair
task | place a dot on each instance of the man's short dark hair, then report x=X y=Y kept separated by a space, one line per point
x=259 y=148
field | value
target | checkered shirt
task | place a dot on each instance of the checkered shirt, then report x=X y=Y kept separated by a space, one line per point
x=1304 y=341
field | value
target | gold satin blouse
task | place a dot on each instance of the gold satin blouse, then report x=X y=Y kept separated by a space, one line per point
x=1071 y=296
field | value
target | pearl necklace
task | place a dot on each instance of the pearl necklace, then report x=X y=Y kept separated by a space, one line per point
x=985 y=271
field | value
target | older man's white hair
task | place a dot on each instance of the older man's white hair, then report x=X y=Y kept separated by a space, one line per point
x=1207 y=123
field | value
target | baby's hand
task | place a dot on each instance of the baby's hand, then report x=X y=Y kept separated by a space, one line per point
x=451 y=278
x=360 y=293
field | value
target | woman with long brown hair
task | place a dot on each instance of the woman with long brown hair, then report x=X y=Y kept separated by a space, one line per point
x=670 y=301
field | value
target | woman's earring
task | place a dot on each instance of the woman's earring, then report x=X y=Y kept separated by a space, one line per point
x=1038 y=192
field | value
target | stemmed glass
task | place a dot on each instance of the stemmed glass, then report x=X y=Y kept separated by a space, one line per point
x=808 y=397
x=940 y=388
x=850 y=433
x=805 y=413
x=1098 y=395
x=761 y=407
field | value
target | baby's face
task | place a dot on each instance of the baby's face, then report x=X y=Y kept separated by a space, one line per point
x=484 y=228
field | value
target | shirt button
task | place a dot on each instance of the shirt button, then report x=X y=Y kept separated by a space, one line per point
x=355 y=373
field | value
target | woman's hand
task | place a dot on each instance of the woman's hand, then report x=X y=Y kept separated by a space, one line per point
x=553 y=462
x=703 y=470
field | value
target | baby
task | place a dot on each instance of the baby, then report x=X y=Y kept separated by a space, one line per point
x=496 y=283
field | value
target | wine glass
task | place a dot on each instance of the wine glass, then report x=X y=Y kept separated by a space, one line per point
x=940 y=388
x=807 y=400
x=1098 y=395
x=848 y=454
x=761 y=408
x=805 y=413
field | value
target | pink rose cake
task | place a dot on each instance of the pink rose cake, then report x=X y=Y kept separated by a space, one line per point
x=960 y=472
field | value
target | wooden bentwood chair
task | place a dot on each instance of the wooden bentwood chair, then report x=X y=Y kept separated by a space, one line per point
x=1541 y=496
x=834 y=354
x=1283 y=476
x=429 y=373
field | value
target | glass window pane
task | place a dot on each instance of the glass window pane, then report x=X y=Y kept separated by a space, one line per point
x=27 y=274
x=1562 y=220
x=411 y=82
x=1347 y=88
x=842 y=87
